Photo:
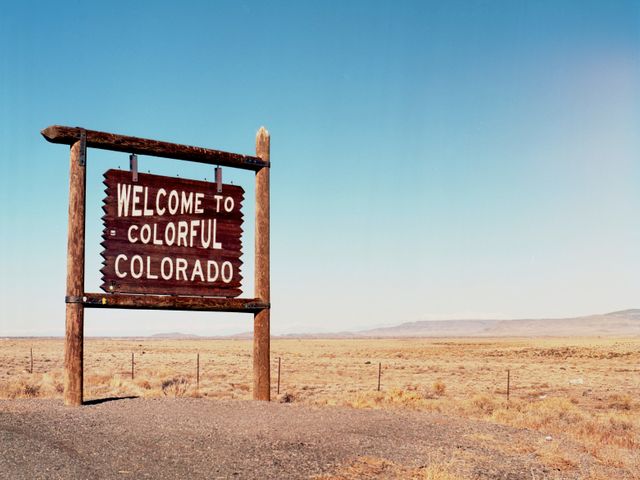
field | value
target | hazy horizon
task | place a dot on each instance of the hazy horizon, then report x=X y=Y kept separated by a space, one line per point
x=320 y=332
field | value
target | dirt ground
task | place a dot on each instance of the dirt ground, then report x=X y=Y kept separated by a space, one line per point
x=199 y=438
x=582 y=390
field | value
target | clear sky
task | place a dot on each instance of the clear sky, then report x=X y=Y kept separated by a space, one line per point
x=431 y=160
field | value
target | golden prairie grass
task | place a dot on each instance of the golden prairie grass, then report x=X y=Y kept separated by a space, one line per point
x=371 y=467
x=583 y=390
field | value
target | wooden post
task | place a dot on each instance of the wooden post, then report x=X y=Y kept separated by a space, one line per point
x=74 y=327
x=198 y=371
x=31 y=354
x=508 y=383
x=261 y=328
x=379 y=374
x=132 y=364
x=279 y=361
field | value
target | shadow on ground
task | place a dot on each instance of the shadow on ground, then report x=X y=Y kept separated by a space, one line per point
x=98 y=401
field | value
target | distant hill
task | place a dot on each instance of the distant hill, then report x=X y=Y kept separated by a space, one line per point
x=174 y=336
x=622 y=323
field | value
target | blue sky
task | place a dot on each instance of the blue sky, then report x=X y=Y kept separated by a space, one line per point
x=430 y=159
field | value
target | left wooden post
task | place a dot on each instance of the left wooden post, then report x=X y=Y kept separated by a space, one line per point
x=74 y=329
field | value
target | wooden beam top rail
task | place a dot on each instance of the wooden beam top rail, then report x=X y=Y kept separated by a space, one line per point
x=168 y=302
x=143 y=146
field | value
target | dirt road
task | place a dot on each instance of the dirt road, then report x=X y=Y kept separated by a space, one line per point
x=197 y=438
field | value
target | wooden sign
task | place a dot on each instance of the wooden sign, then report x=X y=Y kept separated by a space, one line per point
x=171 y=236
x=170 y=244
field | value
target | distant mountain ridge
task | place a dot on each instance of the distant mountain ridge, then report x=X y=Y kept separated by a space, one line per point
x=174 y=336
x=621 y=323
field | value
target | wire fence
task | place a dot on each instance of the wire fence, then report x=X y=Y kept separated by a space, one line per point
x=163 y=370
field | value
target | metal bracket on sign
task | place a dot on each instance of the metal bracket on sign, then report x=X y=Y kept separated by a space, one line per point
x=74 y=299
x=82 y=158
x=260 y=305
x=133 y=166
x=219 y=179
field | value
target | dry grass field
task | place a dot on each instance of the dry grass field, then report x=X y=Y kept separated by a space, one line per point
x=581 y=395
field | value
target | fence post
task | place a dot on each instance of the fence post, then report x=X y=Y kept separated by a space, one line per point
x=508 y=383
x=132 y=363
x=31 y=352
x=198 y=371
x=379 y=374
x=278 y=391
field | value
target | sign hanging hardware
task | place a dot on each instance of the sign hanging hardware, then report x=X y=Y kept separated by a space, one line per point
x=82 y=158
x=219 y=179
x=133 y=166
x=74 y=299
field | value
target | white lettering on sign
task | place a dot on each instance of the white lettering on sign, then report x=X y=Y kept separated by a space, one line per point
x=161 y=194
x=162 y=229
x=187 y=203
x=124 y=196
x=134 y=201
x=166 y=266
x=194 y=233
x=135 y=210
x=174 y=200
x=119 y=273
x=199 y=208
x=173 y=269
x=228 y=268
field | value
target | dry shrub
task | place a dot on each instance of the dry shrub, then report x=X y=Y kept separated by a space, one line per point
x=561 y=416
x=31 y=390
x=371 y=467
x=483 y=404
x=610 y=456
x=394 y=398
x=117 y=383
x=552 y=455
x=49 y=384
x=620 y=401
x=439 y=387
x=195 y=394
x=143 y=383
x=543 y=414
x=23 y=389
x=98 y=379
x=41 y=385
x=551 y=415
x=437 y=471
x=622 y=430
x=176 y=386
x=287 y=398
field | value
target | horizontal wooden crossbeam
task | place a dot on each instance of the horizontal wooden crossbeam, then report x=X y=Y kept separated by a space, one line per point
x=143 y=146
x=170 y=302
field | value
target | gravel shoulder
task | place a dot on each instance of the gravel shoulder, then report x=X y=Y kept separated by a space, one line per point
x=198 y=438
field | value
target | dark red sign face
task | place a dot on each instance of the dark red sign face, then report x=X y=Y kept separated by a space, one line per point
x=171 y=236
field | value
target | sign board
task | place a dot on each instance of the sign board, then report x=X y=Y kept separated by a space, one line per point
x=171 y=236
x=169 y=243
